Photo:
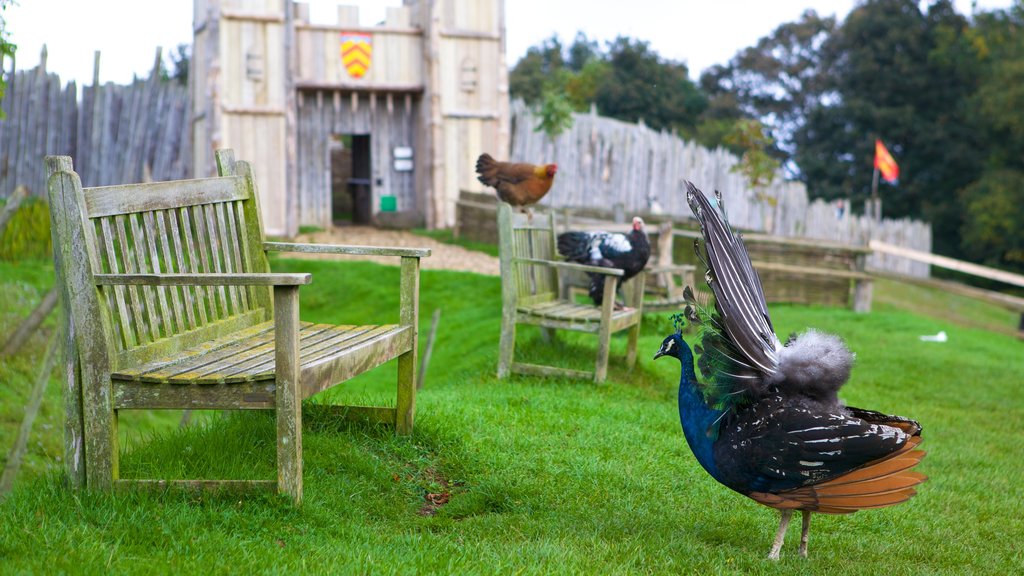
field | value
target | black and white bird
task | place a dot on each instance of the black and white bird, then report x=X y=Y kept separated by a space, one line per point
x=629 y=252
x=766 y=420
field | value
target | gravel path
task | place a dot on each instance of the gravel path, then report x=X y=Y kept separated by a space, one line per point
x=443 y=256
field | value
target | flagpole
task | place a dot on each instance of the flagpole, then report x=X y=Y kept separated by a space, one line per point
x=876 y=207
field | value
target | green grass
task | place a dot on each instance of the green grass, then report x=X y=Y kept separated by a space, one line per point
x=545 y=476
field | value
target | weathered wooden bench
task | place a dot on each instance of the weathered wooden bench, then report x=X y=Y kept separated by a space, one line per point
x=531 y=294
x=172 y=305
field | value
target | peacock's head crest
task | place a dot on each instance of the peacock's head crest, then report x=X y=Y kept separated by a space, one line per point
x=674 y=345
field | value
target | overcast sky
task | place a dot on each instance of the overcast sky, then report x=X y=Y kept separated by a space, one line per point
x=701 y=33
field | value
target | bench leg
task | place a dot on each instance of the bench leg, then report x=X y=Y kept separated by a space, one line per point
x=289 y=397
x=405 y=408
x=634 y=336
x=506 y=347
x=604 y=335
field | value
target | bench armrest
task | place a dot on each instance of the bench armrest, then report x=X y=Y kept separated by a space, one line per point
x=671 y=268
x=350 y=250
x=571 y=266
x=290 y=279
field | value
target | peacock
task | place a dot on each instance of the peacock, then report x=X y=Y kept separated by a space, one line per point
x=766 y=420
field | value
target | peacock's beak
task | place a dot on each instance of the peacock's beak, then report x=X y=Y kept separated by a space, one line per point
x=661 y=352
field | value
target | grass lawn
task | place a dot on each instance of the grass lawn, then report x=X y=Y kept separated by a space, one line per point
x=543 y=476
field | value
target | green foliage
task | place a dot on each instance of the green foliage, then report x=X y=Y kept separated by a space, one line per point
x=178 y=61
x=27 y=235
x=756 y=165
x=994 y=211
x=7 y=50
x=555 y=114
x=776 y=81
x=627 y=81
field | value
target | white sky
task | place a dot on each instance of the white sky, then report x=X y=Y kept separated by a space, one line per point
x=700 y=32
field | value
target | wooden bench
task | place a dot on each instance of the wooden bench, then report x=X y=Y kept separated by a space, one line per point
x=172 y=305
x=531 y=294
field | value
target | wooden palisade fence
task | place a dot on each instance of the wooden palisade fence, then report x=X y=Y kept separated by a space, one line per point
x=116 y=134
x=613 y=165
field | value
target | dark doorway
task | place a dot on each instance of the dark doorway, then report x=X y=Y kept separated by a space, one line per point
x=351 y=172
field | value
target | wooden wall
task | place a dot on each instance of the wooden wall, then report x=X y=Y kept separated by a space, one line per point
x=115 y=134
x=239 y=84
x=397 y=58
x=390 y=119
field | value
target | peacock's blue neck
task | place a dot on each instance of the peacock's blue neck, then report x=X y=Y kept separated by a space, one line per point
x=695 y=415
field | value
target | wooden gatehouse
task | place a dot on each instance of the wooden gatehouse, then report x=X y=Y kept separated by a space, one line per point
x=409 y=102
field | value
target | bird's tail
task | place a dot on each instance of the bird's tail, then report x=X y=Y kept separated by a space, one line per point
x=487 y=168
x=575 y=246
x=879 y=484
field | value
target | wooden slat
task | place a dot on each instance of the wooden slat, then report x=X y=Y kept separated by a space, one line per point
x=338 y=340
x=151 y=231
x=222 y=253
x=129 y=198
x=138 y=248
x=161 y=370
x=549 y=371
x=241 y=396
x=350 y=250
x=234 y=255
x=126 y=330
x=235 y=487
x=168 y=266
x=209 y=252
x=221 y=279
x=178 y=343
x=202 y=297
x=199 y=261
x=237 y=211
x=128 y=259
x=251 y=359
x=188 y=292
x=358 y=358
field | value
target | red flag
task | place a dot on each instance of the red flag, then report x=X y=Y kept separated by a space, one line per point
x=885 y=164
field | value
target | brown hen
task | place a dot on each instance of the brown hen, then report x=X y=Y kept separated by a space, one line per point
x=519 y=184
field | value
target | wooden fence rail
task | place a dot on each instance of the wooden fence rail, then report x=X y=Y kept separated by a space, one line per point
x=117 y=134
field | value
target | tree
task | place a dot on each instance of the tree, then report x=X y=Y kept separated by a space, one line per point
x=641 y=85
x=627 y=81
x=904 y=76
x=775 y=81
x=180 y=60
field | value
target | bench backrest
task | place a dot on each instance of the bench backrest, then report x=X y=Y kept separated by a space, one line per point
x=209 y=225
x=521 y=237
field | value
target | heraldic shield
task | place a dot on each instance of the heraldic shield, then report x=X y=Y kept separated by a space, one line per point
x=356 y=52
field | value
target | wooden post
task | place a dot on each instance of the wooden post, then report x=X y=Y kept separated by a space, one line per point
x=425 y=361
x=289 y=396
x=29 y=326
x=31 y=409
x=862 y=287
x=74 y=426
x=13 y=202
x=77 y=260
x=634 y=331
x=605 y=334
x=405 y=408
x=506 y=349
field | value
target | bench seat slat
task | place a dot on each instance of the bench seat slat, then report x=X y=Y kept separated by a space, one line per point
x=325 y=344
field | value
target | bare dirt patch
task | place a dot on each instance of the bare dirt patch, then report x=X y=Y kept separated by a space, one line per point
x=443 y=256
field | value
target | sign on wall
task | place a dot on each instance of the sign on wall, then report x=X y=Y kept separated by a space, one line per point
x=356 y=52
